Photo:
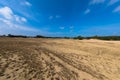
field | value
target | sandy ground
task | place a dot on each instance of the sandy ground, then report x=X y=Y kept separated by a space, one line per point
x=59 y=59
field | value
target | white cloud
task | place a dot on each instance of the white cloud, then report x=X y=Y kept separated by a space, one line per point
x=10 y=21
x=27 y=3
x=117 y=9
x=17 y=18
x=23 y=19
x=96 y=1
x=87 y=11
x=11 y=25
x=6 y=12
x=6 y=22
x=112 y=2
x=62 y=28
x=20 y=19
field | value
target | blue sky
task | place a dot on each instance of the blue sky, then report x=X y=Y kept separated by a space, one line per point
x=60 y=17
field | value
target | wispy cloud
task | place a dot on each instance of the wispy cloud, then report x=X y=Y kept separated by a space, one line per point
x=12 y=25
x=22 y=7
x=50 y=17
x=12 y=21
x=111 y=2
x=62 y=28
x=23 y=19
x=57 y=16
x=7 y=13
x=71 y=27
x=87 y=11
x=96 y=1
x=20 y=19
x=54 y=17
x=117 y=9
x=26 y=3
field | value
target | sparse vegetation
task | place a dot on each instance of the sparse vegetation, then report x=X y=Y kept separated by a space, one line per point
x=116 y=38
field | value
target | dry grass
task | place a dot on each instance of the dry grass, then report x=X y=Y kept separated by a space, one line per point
x=59 y=59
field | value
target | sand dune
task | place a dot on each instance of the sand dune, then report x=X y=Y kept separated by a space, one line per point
x=59 y=59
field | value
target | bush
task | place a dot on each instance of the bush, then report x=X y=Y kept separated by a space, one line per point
x=79 y=37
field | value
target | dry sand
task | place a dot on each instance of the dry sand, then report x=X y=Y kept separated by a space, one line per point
x=59 y=59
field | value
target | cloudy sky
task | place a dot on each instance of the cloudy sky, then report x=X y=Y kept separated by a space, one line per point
x=60 y=17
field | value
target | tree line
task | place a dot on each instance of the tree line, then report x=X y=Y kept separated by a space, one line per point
x=77 y=37
x=99 y=37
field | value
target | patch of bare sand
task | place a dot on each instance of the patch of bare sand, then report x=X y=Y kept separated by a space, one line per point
x=59 y=59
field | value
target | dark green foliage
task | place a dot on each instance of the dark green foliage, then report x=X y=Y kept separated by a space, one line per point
x=21 y=36
x=2 y=35
x=107 y=37
x=39 y=36
x=79 y=37
x=66 y=37
x=99 y=37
